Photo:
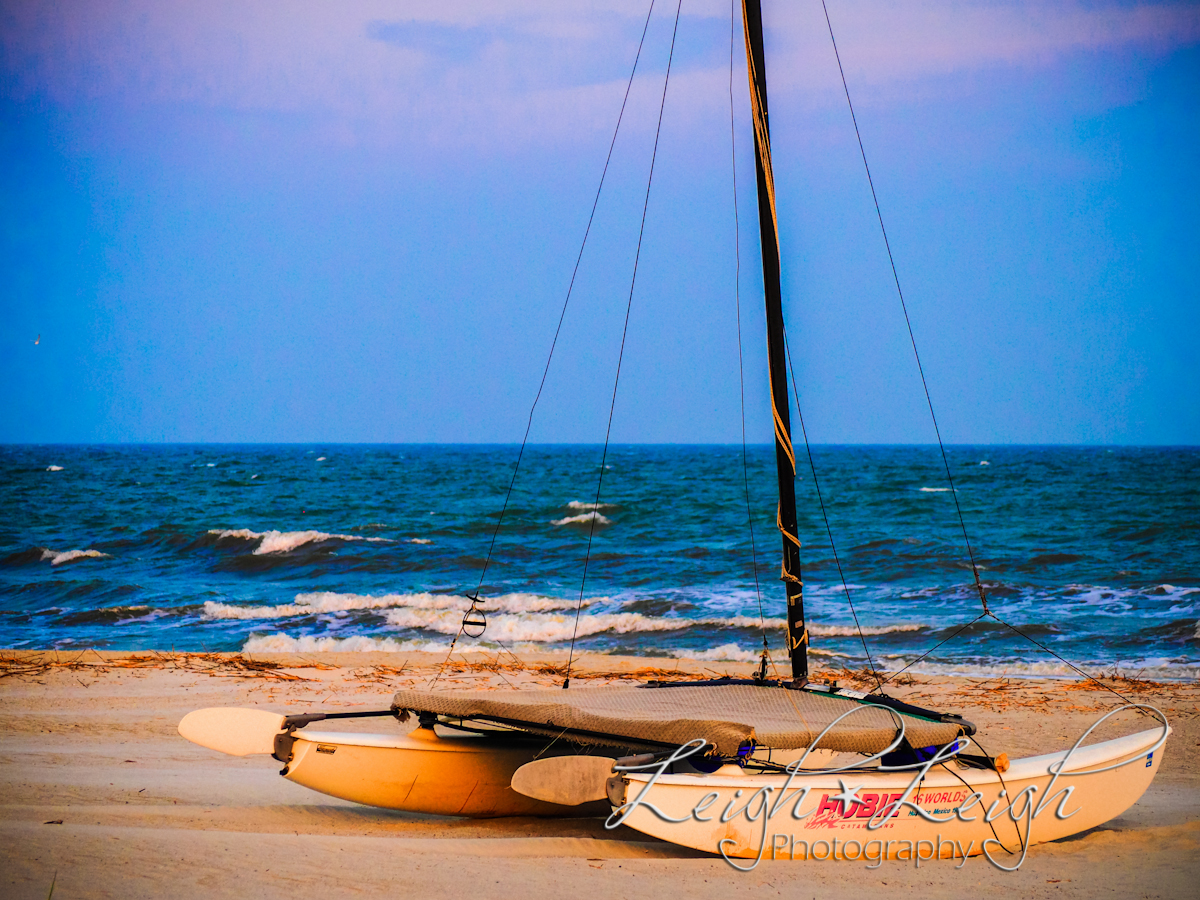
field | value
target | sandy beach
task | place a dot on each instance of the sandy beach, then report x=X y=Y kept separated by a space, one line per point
x=104 y=799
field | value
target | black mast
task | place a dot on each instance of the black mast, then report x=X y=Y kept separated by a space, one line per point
x=785 y=456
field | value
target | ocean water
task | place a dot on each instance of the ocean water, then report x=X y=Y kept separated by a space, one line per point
x=1093 y=551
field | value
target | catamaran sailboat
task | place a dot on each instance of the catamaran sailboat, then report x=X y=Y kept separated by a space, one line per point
x=745 y=768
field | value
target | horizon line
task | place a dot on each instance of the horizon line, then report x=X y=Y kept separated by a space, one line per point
x=8 y=444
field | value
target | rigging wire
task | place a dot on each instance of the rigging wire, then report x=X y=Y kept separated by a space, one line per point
x=554 y=343
x=987 y=612
x=824 y=515
x=940 y=643
x=737 y=297
x=995 y=618
x=990 y=824
x=621 y=355
x=1065 y=662
x=904 y=306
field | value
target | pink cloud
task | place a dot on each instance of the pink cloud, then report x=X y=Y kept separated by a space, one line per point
x=530 y=68
x=883 y=43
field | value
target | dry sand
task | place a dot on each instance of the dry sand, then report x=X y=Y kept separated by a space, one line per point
x=102 y=796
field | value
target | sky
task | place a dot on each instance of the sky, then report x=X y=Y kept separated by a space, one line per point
x=357 y=222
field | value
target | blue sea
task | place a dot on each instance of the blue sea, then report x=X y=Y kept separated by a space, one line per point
x=1093 y=551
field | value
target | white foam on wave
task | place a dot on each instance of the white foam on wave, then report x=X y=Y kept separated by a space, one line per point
x=929 y=490
x=1172 y=590
x=734 y=653
x=287 y=541
x=816 y=651
x=282 y=643
x=54 y=468
x=418 y=541
x=244 y=533
x=152 y=616
x=330 y=602
x=1161 y=602
x=851 y=631
x=57 y=558
x=1153 y=670
x=555 y=627
x=724 y=653
x=579 y=504
x=518 y=617
x=583 y=519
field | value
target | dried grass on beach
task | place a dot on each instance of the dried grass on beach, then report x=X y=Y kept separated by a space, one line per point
x=217 y=665
x=239 y=665
x=365 y=673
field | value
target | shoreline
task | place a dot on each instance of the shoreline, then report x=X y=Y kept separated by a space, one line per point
x=1113 y=673
x=88 y=738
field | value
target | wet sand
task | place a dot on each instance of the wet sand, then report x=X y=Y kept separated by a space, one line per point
x=104 y=799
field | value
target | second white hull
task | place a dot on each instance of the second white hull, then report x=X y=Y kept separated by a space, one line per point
x=825 y=827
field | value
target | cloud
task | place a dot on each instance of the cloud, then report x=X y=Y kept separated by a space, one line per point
x=455 y=43
x=882 y=43
x=514 y=70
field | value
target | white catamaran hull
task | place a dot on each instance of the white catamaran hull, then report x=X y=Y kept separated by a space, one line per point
x=1105 y=780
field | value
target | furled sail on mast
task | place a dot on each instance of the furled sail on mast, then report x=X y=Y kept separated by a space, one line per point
x=768 y=227
x=731 y=716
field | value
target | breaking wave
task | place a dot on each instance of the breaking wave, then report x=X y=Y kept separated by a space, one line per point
x=534 y=628
x=735 y=653
x=1153 y=670
x=58 y=558
x=54 y=468
x=1172 y=590
x=579 y=504
x=282 y=643
x=331 y=602
x=851 y=631
x=287 y=541
x=529 y=618
x=724 y=653
x=584 y=518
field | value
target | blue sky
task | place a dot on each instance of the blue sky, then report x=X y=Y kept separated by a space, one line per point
x=357 y=222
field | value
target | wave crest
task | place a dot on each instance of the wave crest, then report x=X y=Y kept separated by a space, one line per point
x=583 y=519
x=1153 y=670
x=724 y=653
x=282 y=643
x=519 y=617
x=330 y=602
x=287 y=541
x=851 y=631
x=57 y=558
x=533 y=628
